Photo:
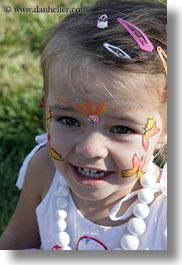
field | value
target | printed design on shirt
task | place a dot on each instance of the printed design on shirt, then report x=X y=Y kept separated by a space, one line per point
x=86 y=243
x=150 y=130
x=89 y=243
x=137 y=167
x=53 y=153
x=56 y=247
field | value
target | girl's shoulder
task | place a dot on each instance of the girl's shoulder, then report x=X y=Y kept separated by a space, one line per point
x=42 y=170
x=37 y=167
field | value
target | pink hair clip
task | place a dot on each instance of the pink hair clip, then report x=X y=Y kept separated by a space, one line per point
x=142 y=40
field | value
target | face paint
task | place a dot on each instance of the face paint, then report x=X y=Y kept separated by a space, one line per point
x=53 y=153
x=82 y=131
x=94 y=119
x=92 y=110
x=150 y=130
x=63 y=101
x=137 y=167
x=120 y=110
x=48 y=118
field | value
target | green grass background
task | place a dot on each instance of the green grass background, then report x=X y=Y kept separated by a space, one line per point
x=21 y=119
x=21 y=38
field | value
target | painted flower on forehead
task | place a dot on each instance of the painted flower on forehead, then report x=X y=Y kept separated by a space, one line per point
x=90 y=108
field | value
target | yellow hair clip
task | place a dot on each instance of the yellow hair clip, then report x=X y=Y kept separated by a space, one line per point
x=163 y=57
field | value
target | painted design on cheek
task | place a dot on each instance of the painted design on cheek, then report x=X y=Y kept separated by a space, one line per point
x=48 y=118
x=137 y=167
x=92 y=110
x=53 y=153
x=150 y=130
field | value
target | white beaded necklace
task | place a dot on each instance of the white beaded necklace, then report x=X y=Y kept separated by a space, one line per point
x=136 y=225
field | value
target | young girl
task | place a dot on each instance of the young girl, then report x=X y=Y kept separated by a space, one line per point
x=91 y=182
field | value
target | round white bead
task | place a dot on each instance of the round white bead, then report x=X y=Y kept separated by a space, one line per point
x=63 y=239
x=61 y=225
x=136 y=226
x=151 y=167
x=141 y=210
x=62 y=191
x=129 y=242
x=145 y=195
x=61 y=214
x=61 y=202
x=148 y=180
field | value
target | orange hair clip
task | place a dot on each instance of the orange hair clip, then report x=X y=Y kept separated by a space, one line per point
x=163 y=57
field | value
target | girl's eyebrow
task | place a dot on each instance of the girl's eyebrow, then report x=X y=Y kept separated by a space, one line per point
x=67 y=108
x=120 y=116
x=127 y=118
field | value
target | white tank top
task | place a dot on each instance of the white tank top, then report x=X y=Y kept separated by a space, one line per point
x=84 y=234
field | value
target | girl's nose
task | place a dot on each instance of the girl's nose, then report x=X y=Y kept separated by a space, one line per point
x=92 y=146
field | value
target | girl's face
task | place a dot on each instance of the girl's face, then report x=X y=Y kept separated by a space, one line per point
x=99 y=146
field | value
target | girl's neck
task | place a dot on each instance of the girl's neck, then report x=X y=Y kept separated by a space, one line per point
x=98 y=211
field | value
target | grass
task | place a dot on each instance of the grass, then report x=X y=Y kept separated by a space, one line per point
x=21 y=119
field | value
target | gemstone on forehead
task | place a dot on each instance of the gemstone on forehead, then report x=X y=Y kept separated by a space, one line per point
x=94 y=119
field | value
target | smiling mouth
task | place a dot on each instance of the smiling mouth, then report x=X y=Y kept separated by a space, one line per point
x=91 y=173
x=90 y=176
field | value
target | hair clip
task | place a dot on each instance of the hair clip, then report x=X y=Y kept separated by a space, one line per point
x=142 y=40
x=163 y=57
x=102 y=22
x=116 y=51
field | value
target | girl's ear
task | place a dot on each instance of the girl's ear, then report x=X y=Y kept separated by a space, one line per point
x=161 y=142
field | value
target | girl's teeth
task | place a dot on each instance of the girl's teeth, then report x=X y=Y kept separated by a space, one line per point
x=102 y=174
x=93 y=173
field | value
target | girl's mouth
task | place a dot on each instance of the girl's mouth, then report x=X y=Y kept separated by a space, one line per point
x=91 y=173
x=88 y=176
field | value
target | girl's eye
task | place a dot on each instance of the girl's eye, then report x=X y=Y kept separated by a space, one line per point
x=121 y=130
x=69 y=121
